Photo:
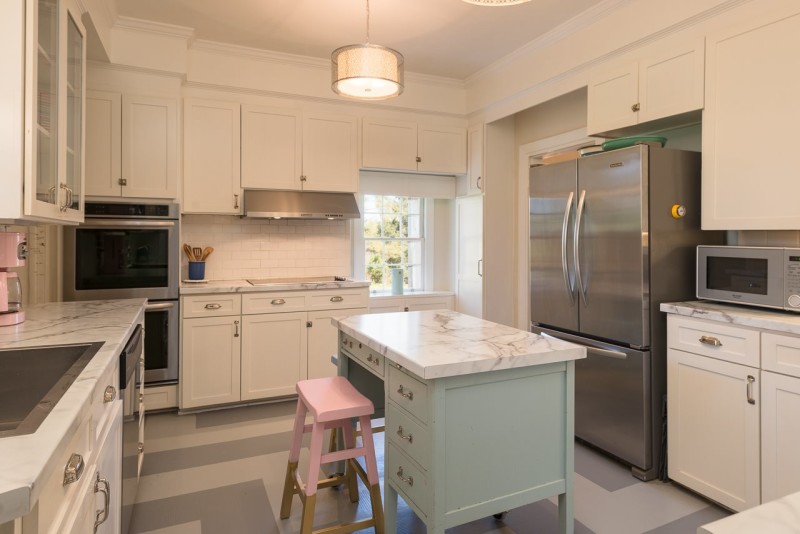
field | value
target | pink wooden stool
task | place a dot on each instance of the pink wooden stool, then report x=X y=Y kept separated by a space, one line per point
x=333 y=403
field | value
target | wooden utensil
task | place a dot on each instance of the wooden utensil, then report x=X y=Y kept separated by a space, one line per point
x=198 y=253
x=206 y=253
x=188 y=251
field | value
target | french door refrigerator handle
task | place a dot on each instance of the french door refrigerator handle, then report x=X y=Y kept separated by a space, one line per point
x=577 y=246
x=564 y=266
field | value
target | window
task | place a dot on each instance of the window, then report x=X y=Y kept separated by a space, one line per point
x=393 y=238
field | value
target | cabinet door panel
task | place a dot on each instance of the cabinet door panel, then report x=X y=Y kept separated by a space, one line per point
x=389 y=145
x=713 y=429
x=780 y=435
x=442 y=149
x=103 y=143
x=475 y=162
x=273 y=354
x=330 y=153
x=672 y=83
x=322 y=340
x=149 y=150
x=210 y=361
x=271 y=148
x=609 y=100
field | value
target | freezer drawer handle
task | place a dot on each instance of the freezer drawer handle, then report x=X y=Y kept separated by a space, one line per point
x=409 y=395
x=609 y=353
x=577 y=245
x=710 y=340
x=750 y=398
x=564 y=266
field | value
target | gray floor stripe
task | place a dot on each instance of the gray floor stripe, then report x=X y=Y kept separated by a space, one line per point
x=241 y=508
x=690 y=522
x=243 y=414
x=177 y=459
x=602 y=470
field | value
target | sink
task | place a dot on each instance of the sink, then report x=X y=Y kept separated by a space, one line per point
x=298 y=280
x=34 y=379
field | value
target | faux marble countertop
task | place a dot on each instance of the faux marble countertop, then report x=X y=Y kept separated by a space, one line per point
x=27 y=461
x=436 y=344
x=779 y=321
x=243 y=286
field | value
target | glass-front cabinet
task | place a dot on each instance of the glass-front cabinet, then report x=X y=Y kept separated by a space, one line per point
x=54 y=119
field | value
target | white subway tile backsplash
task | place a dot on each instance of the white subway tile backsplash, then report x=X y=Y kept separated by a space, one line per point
x=256 y=248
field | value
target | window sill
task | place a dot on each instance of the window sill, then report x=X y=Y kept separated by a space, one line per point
x=413 y=294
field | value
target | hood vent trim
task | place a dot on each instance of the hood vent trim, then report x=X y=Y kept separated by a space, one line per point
x=300 y=205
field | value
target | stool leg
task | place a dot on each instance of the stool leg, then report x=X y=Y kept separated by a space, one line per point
x=307 y=522
x=294 y=457
x=315 y=457
x=372 y=473
x=349 y=434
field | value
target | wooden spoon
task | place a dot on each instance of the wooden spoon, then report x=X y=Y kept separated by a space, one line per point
x=188 y=251
x=206 y=253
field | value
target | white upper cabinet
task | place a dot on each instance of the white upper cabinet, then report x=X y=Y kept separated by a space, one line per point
x=475 y=169
x=271 y=148
x=131 y=146
x=661 y=86
x=330 y=153
x=211 y=157
x=750 y=180
x=408 y=146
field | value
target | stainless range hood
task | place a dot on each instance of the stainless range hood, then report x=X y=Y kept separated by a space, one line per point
x=299 y=205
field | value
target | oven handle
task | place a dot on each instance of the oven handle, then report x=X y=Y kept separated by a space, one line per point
x=115 y=223
x=159 y=306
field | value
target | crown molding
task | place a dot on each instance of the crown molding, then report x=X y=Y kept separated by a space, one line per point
x=102 y=65
x=158 y=28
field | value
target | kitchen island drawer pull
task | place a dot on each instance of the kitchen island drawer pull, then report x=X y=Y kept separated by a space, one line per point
x=106 y=491
x=409 y=438
x=408 y=480
x=710 y=340
x=373 y=359
x=337 y=299
x=74 y=469
x=213 y=306
x=277 y=302
x=409 y=395
x=109 y=394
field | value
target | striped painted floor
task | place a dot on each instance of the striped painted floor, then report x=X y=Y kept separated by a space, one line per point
x=222 y=472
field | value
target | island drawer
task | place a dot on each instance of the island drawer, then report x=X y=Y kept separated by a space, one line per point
x=273 y=302
x=336 y=299
x=780 y=353
x=709 y=338
x=408 y=392
x=106 y=393
x=408 y=435
x=371 y=359
x=408 y=479
x=212 y=305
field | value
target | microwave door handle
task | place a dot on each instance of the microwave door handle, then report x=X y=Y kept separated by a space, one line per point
x=564 y=266
x=577 y=246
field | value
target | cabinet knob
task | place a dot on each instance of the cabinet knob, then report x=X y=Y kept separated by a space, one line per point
x=636 y=107
x=405 y=309
x=110 y=394
x=419 y=159
x=74 y=469
x=122 y=181
x=303 y=178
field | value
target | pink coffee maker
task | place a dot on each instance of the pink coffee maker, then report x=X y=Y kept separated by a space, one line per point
x=13 y=253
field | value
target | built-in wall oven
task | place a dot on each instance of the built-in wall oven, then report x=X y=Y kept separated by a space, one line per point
x=129 y=250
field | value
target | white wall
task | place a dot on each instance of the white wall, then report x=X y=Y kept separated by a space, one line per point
x=445 y=246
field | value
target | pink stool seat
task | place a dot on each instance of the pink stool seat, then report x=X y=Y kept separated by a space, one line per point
x=332 y=399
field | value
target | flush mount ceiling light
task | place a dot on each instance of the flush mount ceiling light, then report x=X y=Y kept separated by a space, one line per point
x=496 y=2
x=367 y=71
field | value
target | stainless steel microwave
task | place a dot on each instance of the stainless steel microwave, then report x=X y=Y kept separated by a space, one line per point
x=755 y=276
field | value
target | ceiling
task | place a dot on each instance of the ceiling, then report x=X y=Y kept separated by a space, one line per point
x=439 y=37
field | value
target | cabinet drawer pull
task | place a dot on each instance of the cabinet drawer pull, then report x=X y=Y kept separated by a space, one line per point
x=337 y=299
x=213 y=306
x=409 y=480
x=74 y=469
x=409 y=395
x=101 y=515
x=277 y=302
x=710 y=340
x=110 y=394
x=235 y=328
x=373 y=359
x=750 y=380
x=140 y=447
x=409 y=437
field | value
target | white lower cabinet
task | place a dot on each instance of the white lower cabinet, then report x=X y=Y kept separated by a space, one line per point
x=210 y=363
x=409 y=303
x=272 y=349
x=322 y=339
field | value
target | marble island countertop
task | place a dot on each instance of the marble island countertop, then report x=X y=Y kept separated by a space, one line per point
x=243 y=286
x=780 y=321
x=436 y=344
x=26 y=461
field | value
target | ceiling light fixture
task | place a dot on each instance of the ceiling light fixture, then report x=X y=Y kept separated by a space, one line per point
x=367 y=71
x=496 y=2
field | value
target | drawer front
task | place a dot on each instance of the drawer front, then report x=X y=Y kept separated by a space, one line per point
x=408 y=435
x=408 y=392
x=709 y=338
x=780 y=353
x=371 y=359
x=106 y=394
x=334 y=299
x=408 y=479
x=274 y=302
x=212 y=305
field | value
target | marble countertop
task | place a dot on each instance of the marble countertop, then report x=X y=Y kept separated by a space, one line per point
x=776 y=517
x=27 y=461
x=243 y=286
x=780 y=321
x=436 y=344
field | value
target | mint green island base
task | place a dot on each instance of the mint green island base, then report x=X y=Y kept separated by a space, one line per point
x=464 y=447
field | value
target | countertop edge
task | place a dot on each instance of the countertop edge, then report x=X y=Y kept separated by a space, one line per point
x=780 y=321
x=243 y=286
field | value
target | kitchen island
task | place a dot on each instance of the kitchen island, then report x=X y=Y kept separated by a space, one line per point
x=31 y=466
x=479 y=416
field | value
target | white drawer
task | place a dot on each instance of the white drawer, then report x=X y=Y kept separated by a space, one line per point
x=274 y=302
x=334 y=299
x=408 y=435
x=211 y=305
x=409 y=480
x=780 y=353
x=371 y=359
x=102 y=405
x=408 y=392
x=709 y=338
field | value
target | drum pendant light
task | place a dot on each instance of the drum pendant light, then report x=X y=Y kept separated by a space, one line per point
x=367 y=71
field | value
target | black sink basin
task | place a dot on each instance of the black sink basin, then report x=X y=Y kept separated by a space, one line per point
x=32 y=380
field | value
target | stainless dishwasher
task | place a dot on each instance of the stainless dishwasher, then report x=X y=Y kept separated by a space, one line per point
x=131 y=381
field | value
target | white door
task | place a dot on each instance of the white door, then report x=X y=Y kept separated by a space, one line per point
x=103 y=143
x=475 y=163
x=273 y=354
x=672 y=82
x=442 y=149
x=271 y=148
x=323 y=340
x=210 y=361
x=780 y=435
x=389 y=144
x=330 y=153
x=713 y=428
x=611 y=99
x=469 y=245
x=149 y=147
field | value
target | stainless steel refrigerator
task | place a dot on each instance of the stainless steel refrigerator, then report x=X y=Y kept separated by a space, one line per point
x=605 y=251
